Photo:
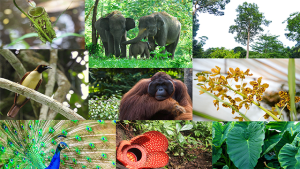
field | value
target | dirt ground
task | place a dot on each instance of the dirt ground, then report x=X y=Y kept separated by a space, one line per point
x=203 y=160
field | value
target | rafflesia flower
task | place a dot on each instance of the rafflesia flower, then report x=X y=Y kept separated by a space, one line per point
x=144 y=151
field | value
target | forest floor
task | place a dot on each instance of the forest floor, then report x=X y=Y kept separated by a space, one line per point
x=203 y=158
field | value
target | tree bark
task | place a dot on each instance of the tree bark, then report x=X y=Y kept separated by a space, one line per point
x=247 y=55
x=94 y=34
x=51 y=82
x=188 y=80
x=14 y=62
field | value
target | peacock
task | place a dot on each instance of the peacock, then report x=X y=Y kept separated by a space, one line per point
x=55 y=144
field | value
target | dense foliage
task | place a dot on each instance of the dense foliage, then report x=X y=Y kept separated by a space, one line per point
x=210 y=6
x=181 y=134
x=108 y=82
x=136 y=9
x=280 y=52
x=104 y=108
x=248 y=145
x=293 y=25
x=224 y=53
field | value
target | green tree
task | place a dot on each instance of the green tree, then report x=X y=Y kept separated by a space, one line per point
x=248 y=24
x=202 y=6
x=198 y=50
x=210 y=6
x=293 y=25
x=224 y=53
x=268 y=44
x=241 y=50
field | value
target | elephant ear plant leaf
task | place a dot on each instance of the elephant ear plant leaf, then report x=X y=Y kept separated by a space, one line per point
x=289 y=155
x=219 y=134
x=244 y=145
x=41 y=22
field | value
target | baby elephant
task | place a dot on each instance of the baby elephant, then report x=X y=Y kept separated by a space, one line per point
x=141 y=48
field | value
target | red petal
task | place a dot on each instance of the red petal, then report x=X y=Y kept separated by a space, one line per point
x=152 y=141
x=123 y=144
x=141 y=156
x=149 y=151
x=156 y=160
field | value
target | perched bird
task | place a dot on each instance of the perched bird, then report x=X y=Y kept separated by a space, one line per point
x=31 y=80
x=36 y=144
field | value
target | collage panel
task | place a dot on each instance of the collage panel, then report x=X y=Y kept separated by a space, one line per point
x=120 y=35
x=246 y=29
x=256 y=144
x=54 y=144
x=149 y=84
x=60 y=78
x=164 y=144
x=42 y=24
x=243 y=90
x=140 y=94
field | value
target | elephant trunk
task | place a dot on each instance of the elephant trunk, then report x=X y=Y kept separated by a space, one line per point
x=117 y=42
x=142 y=34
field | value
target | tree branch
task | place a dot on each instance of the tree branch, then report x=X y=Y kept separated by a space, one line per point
x=14 y=61
x=38 y=97
x=50 y=84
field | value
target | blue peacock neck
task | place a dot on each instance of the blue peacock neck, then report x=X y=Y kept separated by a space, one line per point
x=55 y=161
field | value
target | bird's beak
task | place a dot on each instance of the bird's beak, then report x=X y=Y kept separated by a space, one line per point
x=48 y=67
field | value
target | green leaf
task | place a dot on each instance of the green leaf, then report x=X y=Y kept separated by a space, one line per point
x=216 y=154
x=245 y=145
x=283 y=126
x=225 y=167
x=292 y=88
x=28 y=35
x=178 y=127
x=297 y=157
x=170 y=132
x=287 y=138
x=220 y=132
x=180 y=138
x=287 y=155
x=272 y=138
x=186 y=127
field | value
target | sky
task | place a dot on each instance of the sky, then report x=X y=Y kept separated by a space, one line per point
x=216 y=28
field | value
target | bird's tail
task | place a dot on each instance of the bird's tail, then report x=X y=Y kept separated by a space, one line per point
x=13 y=111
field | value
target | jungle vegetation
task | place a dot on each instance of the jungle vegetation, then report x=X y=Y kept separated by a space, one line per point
x=182 y=9
x=248 y=26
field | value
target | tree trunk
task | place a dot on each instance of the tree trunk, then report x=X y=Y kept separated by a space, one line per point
x=188 y=80
x=94 y=35
x=247 y=55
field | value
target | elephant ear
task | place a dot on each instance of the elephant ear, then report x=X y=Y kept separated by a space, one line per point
x=159 y=21
x=130 y=24
x=104 y=23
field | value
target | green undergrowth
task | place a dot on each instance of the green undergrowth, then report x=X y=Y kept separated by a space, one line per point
x=113 y=62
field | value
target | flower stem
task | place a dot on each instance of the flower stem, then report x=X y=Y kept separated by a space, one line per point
x=265 y=110
x=220 y=100
x=241 y=94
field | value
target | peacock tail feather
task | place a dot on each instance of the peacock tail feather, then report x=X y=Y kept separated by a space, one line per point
x=32 y=144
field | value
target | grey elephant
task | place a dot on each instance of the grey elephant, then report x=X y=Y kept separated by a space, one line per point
x=141 y=48
x=159 y=27
x=112 y=29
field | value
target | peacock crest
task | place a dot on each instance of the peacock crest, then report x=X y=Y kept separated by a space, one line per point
x=42 y=144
